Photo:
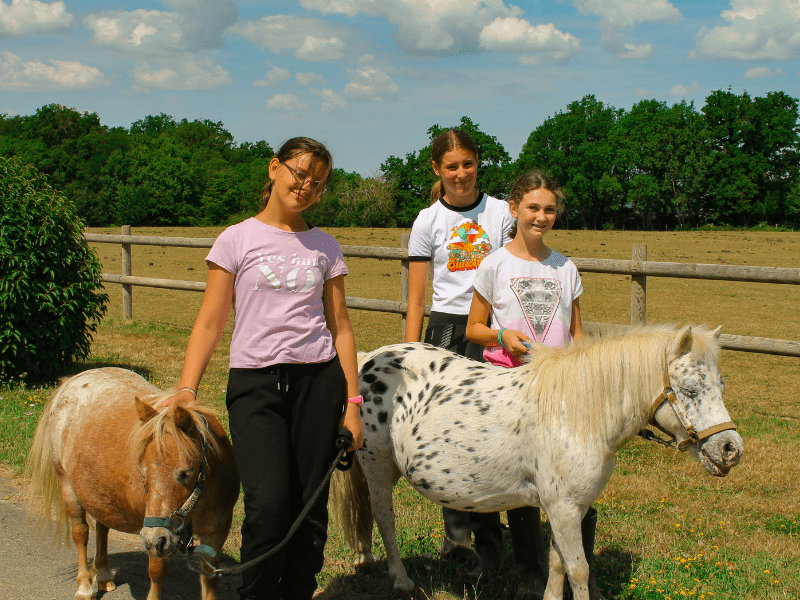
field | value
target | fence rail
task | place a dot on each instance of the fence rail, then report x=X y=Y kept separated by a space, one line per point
x=639 y=268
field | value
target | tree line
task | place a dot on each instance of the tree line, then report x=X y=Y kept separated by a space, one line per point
x=734 y=162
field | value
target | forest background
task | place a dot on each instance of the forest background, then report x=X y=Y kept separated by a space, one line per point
x=735 y=162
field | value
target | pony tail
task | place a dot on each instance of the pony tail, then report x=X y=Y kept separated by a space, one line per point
x=44 y=486
x=351 y=507
x=436 y=191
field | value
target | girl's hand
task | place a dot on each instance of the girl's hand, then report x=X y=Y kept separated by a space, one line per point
x=182 y=397
x=512 y=340
x=352 y=421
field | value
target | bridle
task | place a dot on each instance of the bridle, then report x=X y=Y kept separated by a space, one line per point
x=695 y=437
x=176 y=521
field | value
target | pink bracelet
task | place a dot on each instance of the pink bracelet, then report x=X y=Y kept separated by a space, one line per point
x=357 y=400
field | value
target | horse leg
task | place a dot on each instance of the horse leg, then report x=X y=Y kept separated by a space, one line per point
x=567 y=543
x=158 y=569
x=102 y=577
x=215 y=540
x=80 y=536
x=382 y=477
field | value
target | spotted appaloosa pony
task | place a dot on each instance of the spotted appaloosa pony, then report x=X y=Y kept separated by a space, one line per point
x=102 y=448
x=476 y=437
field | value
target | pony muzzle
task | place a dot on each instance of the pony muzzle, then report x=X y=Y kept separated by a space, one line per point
x=159 y=542
x=719 y=453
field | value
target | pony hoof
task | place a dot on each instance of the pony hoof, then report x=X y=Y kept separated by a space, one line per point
x=106 y=586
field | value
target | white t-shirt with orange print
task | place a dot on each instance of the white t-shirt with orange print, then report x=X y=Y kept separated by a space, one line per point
x=455 y=239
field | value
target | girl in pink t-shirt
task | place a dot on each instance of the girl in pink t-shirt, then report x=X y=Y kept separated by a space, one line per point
x=293 y=368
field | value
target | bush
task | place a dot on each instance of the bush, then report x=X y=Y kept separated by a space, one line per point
x=49 y=277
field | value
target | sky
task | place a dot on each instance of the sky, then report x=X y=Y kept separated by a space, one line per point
x=369 y=77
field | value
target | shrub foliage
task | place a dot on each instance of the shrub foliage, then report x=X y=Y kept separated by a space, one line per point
x=49 y=278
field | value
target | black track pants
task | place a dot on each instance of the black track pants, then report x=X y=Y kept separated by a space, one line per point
x=284 y=422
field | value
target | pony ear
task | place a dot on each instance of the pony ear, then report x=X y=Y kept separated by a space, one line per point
x=145 y=411
x=717 y=332
x=684 y=344
x=183 y=420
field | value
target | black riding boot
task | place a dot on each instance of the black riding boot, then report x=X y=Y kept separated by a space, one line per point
x=489 y=544
x=457 y=539
x=526 y=540
x=588 y=529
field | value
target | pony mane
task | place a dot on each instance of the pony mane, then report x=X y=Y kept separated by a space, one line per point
x=162 y=426
x=582 y=383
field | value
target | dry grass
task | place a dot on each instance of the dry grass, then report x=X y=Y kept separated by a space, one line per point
x=664 y=523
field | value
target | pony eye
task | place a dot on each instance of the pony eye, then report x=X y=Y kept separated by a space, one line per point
x=689 y=393
x=183 y=475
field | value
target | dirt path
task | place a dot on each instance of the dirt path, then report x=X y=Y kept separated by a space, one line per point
x=37 y=568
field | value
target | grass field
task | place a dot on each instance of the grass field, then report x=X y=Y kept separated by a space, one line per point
x=666 y=529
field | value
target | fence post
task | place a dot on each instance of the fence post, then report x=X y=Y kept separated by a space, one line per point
x=404 y=283
x=127 y=288
x=638 y=285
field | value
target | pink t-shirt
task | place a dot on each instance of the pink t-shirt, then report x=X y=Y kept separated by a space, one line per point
x=279 y=274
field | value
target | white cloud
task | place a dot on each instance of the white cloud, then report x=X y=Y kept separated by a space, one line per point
x=618 y=15
x=511 y=34
x=273 y=76
x=758 y=30
x=23 y=17
x=424 y=26
x=633 y=52
x=16 y=75
x=287 y=102
x=643 y=93
x=763 y=73
x=190 y=73
x=331 y=101
x=195 y=25
x=683 y=91
x=369 y=83
x=309 y=39
x=315 y=48
x=308 y=79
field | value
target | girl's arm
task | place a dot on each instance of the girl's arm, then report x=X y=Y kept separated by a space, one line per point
x=576 y=325
x=417 y=294
x=480 y=333
x=338 y=321
x=206 y=332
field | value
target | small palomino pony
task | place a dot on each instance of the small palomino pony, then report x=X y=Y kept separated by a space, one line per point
x=103 y=448
x=481 y=438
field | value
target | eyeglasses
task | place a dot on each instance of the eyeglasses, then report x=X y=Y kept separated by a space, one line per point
x=317 y=186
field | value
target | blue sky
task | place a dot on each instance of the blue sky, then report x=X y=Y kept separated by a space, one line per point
x=369 y=77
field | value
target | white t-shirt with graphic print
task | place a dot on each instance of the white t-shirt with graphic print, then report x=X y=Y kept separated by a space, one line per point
x=530 y=296
x=456 y=239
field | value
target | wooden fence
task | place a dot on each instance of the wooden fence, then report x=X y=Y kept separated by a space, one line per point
x=639 y=269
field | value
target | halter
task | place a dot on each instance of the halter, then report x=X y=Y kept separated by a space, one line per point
x=176 y=521
x=668 y=395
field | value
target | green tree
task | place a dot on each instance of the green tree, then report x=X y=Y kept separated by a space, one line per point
x=663 y=156
x=755 y=145
x=49 y=278
x=575 y=148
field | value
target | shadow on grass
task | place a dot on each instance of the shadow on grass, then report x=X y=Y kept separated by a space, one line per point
x=433 y=578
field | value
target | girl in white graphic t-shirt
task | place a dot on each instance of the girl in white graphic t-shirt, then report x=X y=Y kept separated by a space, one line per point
x=531 y=293
x=449 y=239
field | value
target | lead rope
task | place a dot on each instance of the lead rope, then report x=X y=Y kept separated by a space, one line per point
x=204 y=554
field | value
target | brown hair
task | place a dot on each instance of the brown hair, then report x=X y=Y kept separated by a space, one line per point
x=535 y=180
x=447 y=140
x=298 y=146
